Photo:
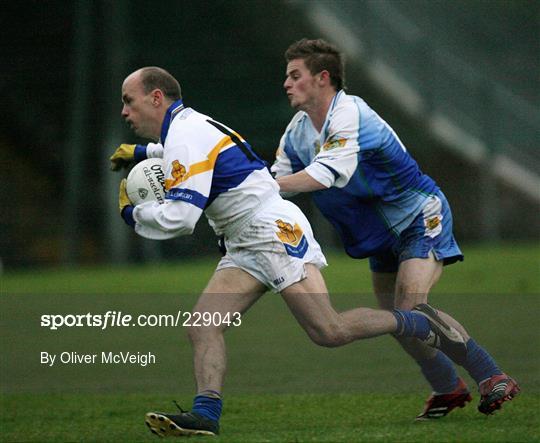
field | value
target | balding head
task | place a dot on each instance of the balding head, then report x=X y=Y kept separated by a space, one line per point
x=153 y=77
x=147 y=93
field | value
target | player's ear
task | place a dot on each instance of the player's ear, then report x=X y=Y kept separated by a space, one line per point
x=324 y=77
x=157 y=97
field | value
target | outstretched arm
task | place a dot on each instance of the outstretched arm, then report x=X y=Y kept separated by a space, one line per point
x=299 y=182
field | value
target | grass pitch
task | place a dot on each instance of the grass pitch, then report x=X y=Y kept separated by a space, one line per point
x=268 y=418
x=279 y=387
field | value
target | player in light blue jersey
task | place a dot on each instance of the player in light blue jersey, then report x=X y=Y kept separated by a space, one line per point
x=384 y=208
x=211 y=169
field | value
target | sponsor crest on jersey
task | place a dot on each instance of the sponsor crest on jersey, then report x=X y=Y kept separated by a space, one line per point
x=334 y=143
x=293 y=238
x=433 y=222
x=433 y=225
x=178 y=172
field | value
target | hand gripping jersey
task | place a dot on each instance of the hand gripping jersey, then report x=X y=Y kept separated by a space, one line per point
x=375 y=188
x=208 y=167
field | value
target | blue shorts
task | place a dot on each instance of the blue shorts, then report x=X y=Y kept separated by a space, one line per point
x=430 y=232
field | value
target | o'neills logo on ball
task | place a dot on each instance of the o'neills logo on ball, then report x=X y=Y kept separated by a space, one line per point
x=142 y=193
x=156 y=179
x=160 y=175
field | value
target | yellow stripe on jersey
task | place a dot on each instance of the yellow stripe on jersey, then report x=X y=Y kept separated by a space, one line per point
x=200 y=167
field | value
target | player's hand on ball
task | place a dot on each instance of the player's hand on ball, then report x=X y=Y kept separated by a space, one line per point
x=123 y=199
x=122 y=157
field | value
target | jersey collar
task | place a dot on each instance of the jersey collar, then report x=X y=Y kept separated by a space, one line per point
x=172 y=112
x=333 y=104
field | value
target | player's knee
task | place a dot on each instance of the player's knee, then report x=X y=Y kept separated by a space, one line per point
x=328 y=337
x=193 y=334
x=203 y=333
x=409 y=299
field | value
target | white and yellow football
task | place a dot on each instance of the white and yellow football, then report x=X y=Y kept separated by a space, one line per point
x=146 y=182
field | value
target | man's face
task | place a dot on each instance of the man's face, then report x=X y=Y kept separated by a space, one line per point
x=300 y=85
x=138 y=110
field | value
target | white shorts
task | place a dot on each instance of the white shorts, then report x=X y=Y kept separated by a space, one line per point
x=274 y=246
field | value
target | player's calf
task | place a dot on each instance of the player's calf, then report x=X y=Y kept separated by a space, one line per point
x=424 y=323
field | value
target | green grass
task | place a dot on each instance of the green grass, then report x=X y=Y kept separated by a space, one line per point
x=486 y=269
x=280 y=386
x=269 y=418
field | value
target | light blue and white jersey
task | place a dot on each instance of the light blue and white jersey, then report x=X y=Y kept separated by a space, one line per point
x=375 y=188
x=208 y=167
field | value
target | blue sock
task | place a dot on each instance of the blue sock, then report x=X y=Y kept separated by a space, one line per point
x=208 y=406
x=480 y=365
x=439 y=371
x=411 y=324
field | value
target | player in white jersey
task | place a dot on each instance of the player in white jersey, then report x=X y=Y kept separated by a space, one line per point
x=212 y=169
x=369 y=187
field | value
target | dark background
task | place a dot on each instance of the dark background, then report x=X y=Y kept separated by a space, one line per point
x=63 y=64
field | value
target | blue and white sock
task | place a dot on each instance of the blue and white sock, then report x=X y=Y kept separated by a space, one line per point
x=440 y=373
x=480 y=365
x=208 y=404
x=411 y=324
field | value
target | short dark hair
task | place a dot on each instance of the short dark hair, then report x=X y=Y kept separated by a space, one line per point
x=319 y=55
x=153 y=77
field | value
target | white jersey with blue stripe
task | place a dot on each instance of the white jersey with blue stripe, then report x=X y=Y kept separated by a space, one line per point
x=375 y=188
x=208 y=167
